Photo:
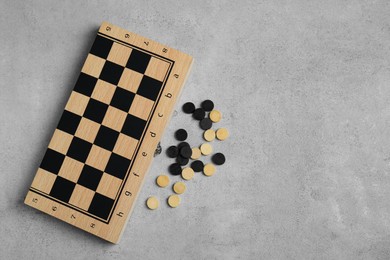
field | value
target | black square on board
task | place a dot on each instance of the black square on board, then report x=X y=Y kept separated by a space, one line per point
x=62 y=189
x=69 y=122
x=149 y=88
x=95 y=110
x=52 y=161
x=90 y=177
x=101 y=47
x=79 y=149
x=106 y=138
x=111 y=72
x=85 y=84
x=133 y=126
x=101 y=206
x=122 y=99
x=138 y=61
x=117 y=166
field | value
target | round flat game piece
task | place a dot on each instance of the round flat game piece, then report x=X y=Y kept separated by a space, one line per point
x=186 y=152
x=209 y=135
x=173 y=201
x=197 y=166
x=218 y=159
x=205 y=123
x=207 y=105
x=179 y=187
x=162 y=181
x=199 y=114
x=182 y=144
x=172 y=151
x=209 y=169
x=222 y=134
x=152 y=202
x=181 y=135
x=206 y=149
x=215 y=116
x=182 y=161
x=196 y=154
x=175 y=169
x=188 y=108
x=187 y=173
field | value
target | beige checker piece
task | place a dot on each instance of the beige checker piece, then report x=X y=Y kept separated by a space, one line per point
x=157 y=69
x=103 y=91
x=98 y=157
x=119 y=54
x=81 y=197
x=77 y=103
x=125 y=146
x=93 y=65
x=141 y=107
x=60 y=141
x=87 y=129
x=71 y=169
x=109 y=185
x=130 y=80
x=43 y=181
x=114 y=118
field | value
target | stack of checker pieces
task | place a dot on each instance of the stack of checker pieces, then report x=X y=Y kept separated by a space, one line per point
x=182 y=153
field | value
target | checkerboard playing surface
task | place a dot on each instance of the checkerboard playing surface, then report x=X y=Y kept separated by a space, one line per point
x=104 y=124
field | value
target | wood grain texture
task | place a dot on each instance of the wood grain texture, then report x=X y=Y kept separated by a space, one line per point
x=88 y=130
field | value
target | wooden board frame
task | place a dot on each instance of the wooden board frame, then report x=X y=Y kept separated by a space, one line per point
x=113 y=229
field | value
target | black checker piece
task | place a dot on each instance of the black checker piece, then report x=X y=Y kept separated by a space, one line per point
x=117 y=166
x=95 y=110
x=62 y=189
x=79 y=149
x=106 y=138
x=149 y=88
x=85 y=84
x=133 y=126
x=172 y=151
x=138 y=61
x=90 y=177
x=52 y=161
x=101 y=47
x=122 y=99
x=111 y=72
x=101 y=206
x=69 y=122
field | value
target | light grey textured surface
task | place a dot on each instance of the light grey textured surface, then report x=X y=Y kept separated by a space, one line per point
x=304 y=88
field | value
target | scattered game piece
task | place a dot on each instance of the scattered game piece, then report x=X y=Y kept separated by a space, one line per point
x=215 y=116
x=172 y=151
x=218 y=159
x=162 y=181
x=116 y=114
x=186 y=152
x=196 y=153
x=175 y=169
x=197 y=166
x=209 y=135
x=182 y=144
x=173 y=201
x=206 y=149
x=181 y=160
x=207 y=105
x=181 y=135
x=205 y=123
x=179 y=187
x=222 y=134
x=152 y=202
x=188 y=108
x=187 y=173
x=209 y=169
x=199 y=114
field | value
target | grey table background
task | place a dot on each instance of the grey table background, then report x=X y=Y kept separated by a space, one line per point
x=304 y=88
